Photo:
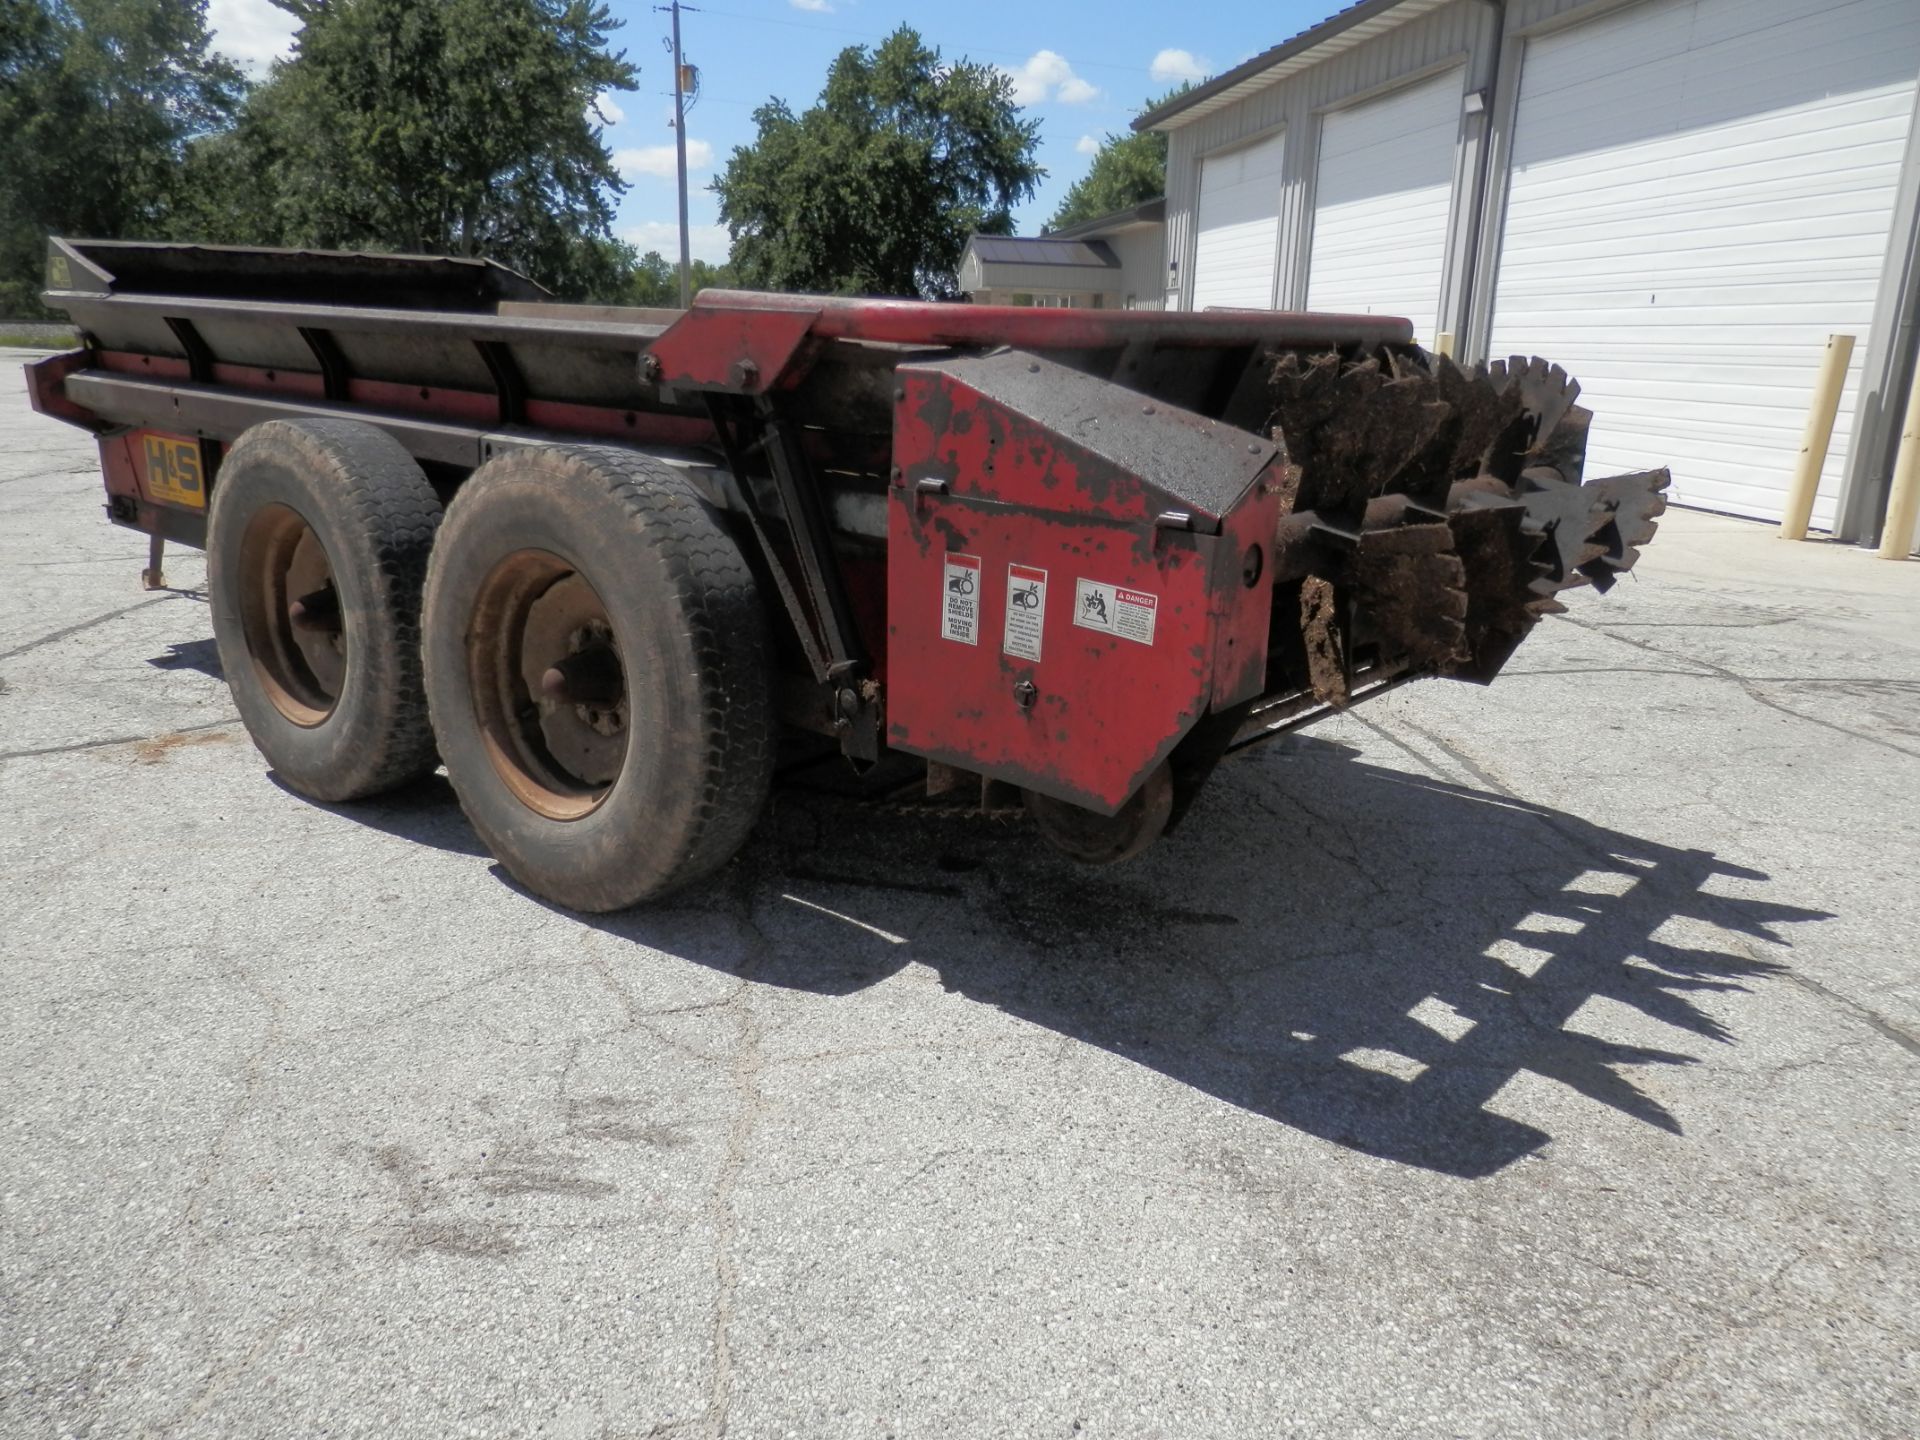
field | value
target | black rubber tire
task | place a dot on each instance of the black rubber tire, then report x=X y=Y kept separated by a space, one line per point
x=373 y=510
x=686 y=615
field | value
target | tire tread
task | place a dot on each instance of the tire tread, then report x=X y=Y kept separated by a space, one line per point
x=716 y=590
x=401 y=514
x=390 y=514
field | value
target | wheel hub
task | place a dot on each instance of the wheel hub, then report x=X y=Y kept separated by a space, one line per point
x=314 y=619
x=291 y=614
x=569 y=660
x=549 y=685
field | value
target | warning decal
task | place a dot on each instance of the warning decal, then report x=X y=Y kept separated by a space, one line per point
x=1026 y=611
x=1115 y=610
x=960 y=600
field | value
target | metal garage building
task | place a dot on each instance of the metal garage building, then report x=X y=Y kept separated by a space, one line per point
x=1677 y=199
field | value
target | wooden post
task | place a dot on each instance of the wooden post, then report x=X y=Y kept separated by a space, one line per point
x=1903 y=499
x=1813 y=445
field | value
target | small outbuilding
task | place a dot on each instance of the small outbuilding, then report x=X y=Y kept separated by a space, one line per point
x=1109 y=263
x=1678 y=200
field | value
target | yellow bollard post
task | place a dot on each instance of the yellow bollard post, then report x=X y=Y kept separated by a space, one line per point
x=1903 y=498
x=1813 y=445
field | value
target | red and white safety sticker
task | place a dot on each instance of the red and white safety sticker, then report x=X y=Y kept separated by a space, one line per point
x=1026 y=612
x=960 y=599
x=1115 y=610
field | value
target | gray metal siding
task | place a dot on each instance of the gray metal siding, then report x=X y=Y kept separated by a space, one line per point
x=1531 y=14
x=1142 y=264
x=1465 y=28
x=1050 y=279
x=1887 y=373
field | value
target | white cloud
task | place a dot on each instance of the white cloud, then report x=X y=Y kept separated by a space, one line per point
x=610 y=113
x=1048 y=76
x=251 y=33
x=1170 y=67
x=812 y=7
x=659 y=160
x=707 y=242
x=1087 y=145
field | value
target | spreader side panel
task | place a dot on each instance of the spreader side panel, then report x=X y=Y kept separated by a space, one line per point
x=1057 y=593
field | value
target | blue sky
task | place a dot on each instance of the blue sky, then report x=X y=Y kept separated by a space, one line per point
x=1081 y=67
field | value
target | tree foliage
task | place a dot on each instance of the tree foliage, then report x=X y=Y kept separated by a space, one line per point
x=875 y=187
x=456 y=127
x=99 y=103
x=1127 y=170
x=656 y=280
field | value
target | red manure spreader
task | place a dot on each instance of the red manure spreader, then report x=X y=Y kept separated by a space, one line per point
x=598 y=561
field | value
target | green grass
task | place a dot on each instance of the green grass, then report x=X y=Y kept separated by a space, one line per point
x=38 y=337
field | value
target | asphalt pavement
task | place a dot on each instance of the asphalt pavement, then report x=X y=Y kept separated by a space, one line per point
x=1540 y=1060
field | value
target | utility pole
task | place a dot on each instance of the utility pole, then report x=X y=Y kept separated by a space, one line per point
x=680 y=149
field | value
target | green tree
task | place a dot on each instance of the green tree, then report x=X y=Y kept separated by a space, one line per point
x=875 y=188
x=1127 y=170
x=653 y=281
x=656 y=280
x=457 y=127
x=99 y=102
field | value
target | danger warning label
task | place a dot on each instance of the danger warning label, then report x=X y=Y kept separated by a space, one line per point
x=1115 y=610
x=1026 y=611
x=960 y=599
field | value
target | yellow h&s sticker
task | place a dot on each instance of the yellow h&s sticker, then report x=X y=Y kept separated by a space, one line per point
x=173 y=472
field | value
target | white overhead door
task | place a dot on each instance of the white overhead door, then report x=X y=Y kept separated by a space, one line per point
x=1239 y=240
x=1380 y=204
x=1701 y=191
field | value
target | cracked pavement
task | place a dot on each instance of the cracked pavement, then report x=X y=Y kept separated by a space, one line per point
x=1540 y=1060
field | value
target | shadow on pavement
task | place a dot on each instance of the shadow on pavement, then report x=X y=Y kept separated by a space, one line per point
x=1367 y=955
x=201 y=655
x=425 y=812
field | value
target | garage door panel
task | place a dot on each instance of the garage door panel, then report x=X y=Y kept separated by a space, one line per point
x=1722 y=226
x=1870 y=130
x=1825 y=41
x=1858 y=137
x=1826 y=56
x=1692 y=269
x=1685 y=265
x=1639 y=73
x=1238 y=240
x=1684 y=248
x=1869 y=135
x=1701 y=191
x=1382 y=192
x=1652 y=211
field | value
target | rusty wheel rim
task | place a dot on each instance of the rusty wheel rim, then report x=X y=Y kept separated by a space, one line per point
x=291 y=615
x=549 y=685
